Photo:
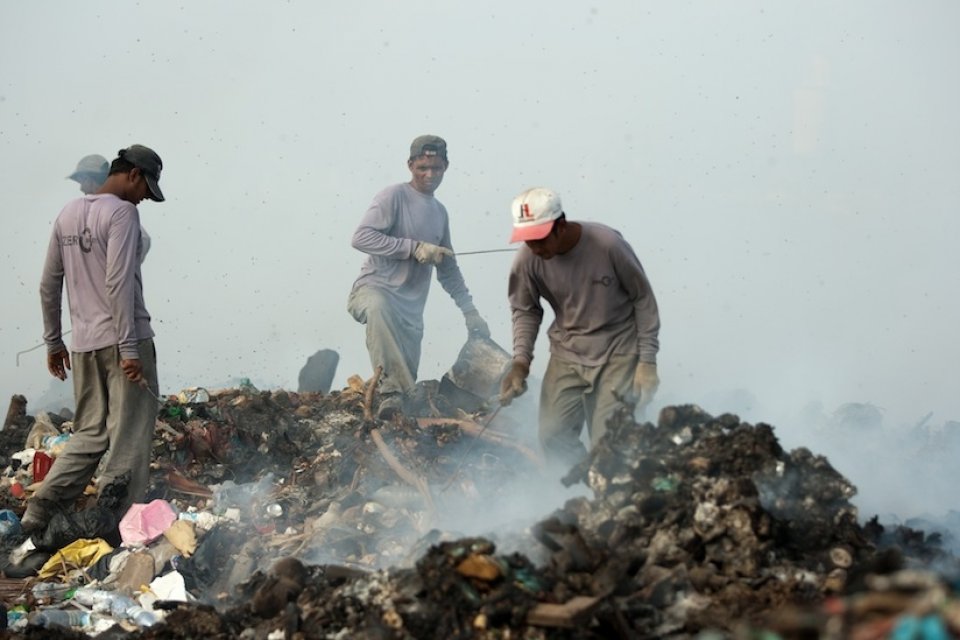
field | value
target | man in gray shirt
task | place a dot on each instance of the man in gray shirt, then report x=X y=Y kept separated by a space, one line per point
x=604 y=339
x=95 y=248
x=406 y=233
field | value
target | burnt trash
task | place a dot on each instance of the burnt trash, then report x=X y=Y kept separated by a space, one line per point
x=16 y=413
x=318 y=372
x=315 y=518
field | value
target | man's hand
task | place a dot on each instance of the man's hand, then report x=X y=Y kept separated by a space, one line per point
x=430 y=253
x=132 y=369
x=58 y=363
x=514 y=383
x=476 y=326
x=645 y=383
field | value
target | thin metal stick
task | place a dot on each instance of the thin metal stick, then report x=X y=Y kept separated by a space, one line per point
x=473 y=253
x=20 y=353
x=146 y=387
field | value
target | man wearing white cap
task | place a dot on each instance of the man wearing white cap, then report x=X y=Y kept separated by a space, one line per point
x=406 y=233
x=603 y=341
x=90 y=174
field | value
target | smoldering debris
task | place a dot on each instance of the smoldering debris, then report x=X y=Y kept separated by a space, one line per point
x=313 y=519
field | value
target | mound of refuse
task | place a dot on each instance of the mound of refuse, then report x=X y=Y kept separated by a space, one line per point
x=274 y=514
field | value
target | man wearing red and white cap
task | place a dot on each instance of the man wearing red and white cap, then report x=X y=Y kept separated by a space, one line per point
x=604 y=339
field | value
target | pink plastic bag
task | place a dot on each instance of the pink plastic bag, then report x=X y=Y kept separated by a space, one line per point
x=144 y=523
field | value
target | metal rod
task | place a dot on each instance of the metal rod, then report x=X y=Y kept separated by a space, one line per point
x=473 y=253
x=146 y=387
x=20 y=353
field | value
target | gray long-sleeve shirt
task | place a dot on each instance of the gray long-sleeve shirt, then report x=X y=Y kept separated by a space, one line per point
x=398 y=218
x=599 y=293
x=95 y=247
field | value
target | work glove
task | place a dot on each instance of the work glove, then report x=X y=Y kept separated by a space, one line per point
x=514 y=383
x=645 y=383
x=476 y=326
x=427 y=253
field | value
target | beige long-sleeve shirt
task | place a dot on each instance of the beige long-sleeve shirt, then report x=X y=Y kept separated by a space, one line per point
x=601 y=298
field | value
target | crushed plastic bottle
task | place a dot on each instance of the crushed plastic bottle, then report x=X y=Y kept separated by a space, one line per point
x=61 y=617
x=51 y=591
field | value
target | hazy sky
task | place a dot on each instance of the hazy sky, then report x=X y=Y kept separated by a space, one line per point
x=787 y=173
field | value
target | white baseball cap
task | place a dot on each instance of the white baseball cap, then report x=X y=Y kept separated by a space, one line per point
x=533 y=213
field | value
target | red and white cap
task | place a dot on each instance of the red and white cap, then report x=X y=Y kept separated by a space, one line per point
x=534 y=212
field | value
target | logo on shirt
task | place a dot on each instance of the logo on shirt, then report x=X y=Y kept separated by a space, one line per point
x=605 y=281
x=84 y=241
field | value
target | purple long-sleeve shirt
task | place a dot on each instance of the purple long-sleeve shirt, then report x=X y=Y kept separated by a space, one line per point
x=600 y=295
x=398 y=218
x=95 y=247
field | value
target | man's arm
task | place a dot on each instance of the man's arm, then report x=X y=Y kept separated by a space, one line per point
x=123 y=238
x=526 y=311
x=373 y=234
x=51 y=295
x=646 y=314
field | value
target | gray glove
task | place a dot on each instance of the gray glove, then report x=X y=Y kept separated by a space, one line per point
x=514 y=383
x=645 y=383
x=430 y=253
x=476 y=326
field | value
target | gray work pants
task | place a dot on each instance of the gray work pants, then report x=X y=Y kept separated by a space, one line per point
x=392 y=341
x=113 y=414
x=572 y=394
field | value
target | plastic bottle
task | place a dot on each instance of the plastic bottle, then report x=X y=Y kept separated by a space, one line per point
x=62 y=617
x=50 y=591
x=140 y=616
x=90 y=597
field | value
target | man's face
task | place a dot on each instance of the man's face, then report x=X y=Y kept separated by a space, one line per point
x=427 y=173
x=138 y=190
x=547 y=247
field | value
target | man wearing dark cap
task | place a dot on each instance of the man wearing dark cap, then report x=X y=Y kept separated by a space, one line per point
x=90 y=174
x=94 y=250
x=604 y=338
x=406 y=233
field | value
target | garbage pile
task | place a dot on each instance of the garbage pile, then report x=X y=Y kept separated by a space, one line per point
x=280 y=514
